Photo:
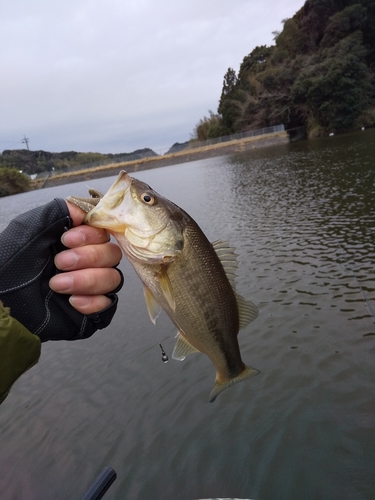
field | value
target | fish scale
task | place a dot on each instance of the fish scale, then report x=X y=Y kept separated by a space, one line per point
x=198 y=293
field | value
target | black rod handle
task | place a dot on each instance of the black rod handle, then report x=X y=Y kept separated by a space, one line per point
x=100 y=485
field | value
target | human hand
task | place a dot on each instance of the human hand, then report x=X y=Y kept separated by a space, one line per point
x=28 y=248
x=88 y=265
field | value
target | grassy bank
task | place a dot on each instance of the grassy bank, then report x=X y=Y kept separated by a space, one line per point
x=184 y=156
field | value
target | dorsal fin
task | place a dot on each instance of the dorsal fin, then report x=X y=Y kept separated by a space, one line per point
x=182 y=348
x=228 y=259
x=247 y=310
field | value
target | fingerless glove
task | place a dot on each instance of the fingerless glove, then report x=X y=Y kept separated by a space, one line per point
x=27 y=250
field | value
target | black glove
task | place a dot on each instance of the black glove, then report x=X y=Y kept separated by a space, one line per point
x=27 y=250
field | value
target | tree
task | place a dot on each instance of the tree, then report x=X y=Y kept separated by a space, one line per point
x=229 y=83
x=13 y=182
x=255 y=61
x=343 y=24
x=209 y=127
x=337 y=88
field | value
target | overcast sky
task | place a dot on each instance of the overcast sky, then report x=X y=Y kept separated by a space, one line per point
x=113 y=76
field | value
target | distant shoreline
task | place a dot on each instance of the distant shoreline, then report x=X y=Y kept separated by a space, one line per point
x=184 y=156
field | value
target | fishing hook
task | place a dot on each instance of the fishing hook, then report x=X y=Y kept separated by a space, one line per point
x=164 y=356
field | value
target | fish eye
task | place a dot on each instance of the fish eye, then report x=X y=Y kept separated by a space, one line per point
x=148 y=198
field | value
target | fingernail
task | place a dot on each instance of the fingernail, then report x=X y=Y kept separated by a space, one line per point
x=61 y=283
x=73 y=238
x=79 y=300
x=66 y=260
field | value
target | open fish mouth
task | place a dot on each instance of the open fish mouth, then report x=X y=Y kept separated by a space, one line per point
x=109 y=212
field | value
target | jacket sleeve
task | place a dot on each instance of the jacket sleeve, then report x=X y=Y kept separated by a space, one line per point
x=19 y=351
x=27 y=250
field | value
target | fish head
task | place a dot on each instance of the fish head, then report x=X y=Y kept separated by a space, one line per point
x=147 y=226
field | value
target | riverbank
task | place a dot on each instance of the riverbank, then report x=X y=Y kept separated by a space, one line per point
x=185 y=156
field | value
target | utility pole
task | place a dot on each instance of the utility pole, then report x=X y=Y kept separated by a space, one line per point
x=25 y=140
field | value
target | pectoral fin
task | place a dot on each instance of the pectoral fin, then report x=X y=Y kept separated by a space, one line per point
x=167 y=290
x=153 y=307
x=182 y=348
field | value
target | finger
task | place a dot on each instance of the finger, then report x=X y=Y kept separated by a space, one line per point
x=86 y=304
x=86 y=281
x=76 y=213
x=84 y=235
x=106 y=255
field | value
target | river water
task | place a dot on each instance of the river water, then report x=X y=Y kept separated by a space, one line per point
x=302 y=218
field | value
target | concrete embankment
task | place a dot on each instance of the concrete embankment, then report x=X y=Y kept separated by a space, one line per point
x=184 y=156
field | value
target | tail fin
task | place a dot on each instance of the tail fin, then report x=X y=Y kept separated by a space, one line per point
x=221 y=386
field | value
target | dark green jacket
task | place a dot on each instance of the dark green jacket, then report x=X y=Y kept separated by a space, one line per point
x=19 y=350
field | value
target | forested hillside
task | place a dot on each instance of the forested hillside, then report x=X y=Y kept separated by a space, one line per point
x=33 y=162
x=320 y=74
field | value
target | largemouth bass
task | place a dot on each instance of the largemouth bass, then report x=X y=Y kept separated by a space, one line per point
x=192 y=279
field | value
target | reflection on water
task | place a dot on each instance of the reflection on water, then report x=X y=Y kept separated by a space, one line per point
x=302 y=218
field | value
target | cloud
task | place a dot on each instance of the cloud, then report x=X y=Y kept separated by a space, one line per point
x=114 y=76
